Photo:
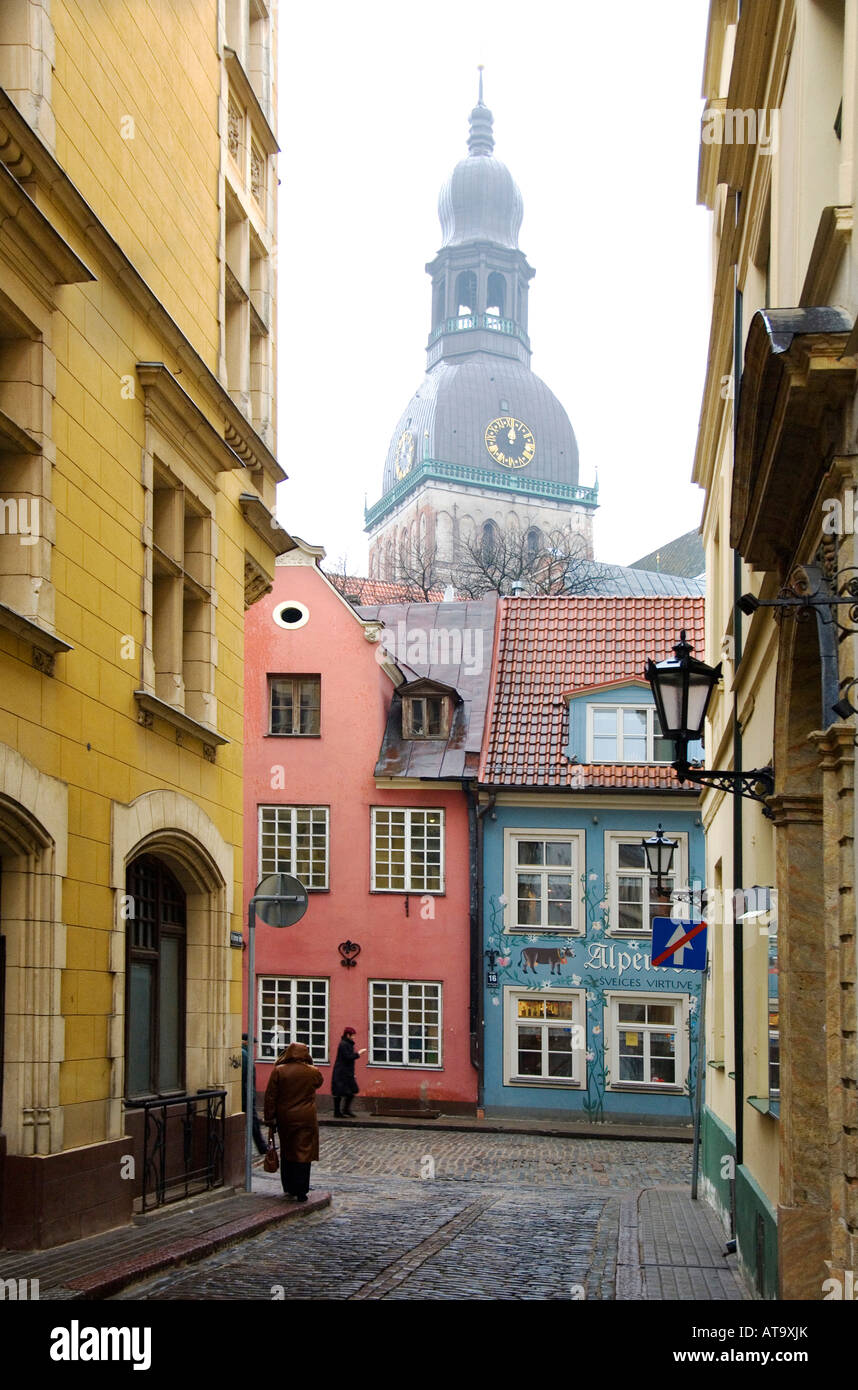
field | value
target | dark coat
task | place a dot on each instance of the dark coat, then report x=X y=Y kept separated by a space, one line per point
x=343 y=1079
x=290 y=1101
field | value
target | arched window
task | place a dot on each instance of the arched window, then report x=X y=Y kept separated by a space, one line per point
x=489 y=542
x=534 y=542
x=496 y=294
x=466 y=292
x=388 y=563
x=155 y=980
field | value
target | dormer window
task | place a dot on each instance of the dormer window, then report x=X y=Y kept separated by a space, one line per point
x=426 y=716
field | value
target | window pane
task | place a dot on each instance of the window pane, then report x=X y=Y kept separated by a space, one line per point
x=170 y=1001
x=605 y=750
x=281 y=707
x=559 y=1008
x=605 y=722
x=634 y=724
x=139 y=1079
x=559 y=900
x=558 y=852
x=530 y=851
x=631 y=1068
x=531 y=1008
x=632 y=1013
x=630 y=856
x=529 y=1063
x=660 y=1013
x=634 y=750
x=529 y=900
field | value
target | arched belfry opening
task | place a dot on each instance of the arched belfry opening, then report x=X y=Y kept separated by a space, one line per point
x=466 y=293
x=496 y=296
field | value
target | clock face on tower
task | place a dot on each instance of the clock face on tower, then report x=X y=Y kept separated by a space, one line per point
x=404 y=453
x=510 y=442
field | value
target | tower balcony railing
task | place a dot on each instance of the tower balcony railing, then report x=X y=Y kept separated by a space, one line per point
x=428 y=469
x=464 y=323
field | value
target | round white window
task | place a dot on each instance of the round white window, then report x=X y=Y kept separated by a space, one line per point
x=291 y=614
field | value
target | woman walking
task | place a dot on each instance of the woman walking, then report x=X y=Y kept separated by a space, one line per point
x=290 y=1103
x=343 y=1084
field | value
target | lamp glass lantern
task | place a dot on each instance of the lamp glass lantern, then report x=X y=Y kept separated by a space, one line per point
x=659 y=851
x=682 y=688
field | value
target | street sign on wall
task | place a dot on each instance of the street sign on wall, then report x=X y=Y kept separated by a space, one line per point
x=678 y=945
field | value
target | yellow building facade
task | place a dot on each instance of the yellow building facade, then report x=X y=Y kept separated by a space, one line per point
x=778 y=459
x=137 y=490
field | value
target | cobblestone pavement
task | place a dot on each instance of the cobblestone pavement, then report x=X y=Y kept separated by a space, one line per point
x=485 y=1226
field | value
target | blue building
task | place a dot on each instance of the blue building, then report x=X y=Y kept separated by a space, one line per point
x=576 y=1019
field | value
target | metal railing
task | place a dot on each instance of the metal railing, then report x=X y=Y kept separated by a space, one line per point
x=463 y=323
x=183 y=1145
x=497 y=480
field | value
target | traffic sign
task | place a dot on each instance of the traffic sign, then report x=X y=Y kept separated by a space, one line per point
x=678 y=945
x=292 y=902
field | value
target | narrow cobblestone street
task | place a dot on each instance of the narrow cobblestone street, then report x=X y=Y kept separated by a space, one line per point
x=453 y=1216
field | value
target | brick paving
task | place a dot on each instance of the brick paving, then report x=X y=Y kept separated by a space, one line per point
x=492 y=1217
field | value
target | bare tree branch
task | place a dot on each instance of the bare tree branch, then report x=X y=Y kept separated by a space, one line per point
x=512 y=560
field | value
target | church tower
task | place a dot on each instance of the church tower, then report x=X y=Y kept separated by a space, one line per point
x=483 y=441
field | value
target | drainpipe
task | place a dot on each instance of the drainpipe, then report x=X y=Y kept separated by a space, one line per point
x=738 y=865
x=476 y=814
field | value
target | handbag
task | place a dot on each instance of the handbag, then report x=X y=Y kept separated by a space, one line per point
x=271 y=1161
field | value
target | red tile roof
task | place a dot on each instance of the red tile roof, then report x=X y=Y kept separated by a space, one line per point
x=369 y=591
x=549 y=648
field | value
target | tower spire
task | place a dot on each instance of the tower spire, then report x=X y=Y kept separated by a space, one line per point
x=481 y=140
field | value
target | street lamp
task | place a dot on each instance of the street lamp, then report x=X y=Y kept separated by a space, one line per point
x=280 y=901
x=682 y=687
x=659 y=853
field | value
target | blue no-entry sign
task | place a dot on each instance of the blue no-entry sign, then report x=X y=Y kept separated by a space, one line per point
x=679 y=945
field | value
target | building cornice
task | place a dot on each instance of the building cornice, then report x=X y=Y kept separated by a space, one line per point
x=436 y=470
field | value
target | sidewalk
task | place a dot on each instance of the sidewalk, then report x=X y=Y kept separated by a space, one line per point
x=557 y=1129
x=673 y=1248
x=102 y=1265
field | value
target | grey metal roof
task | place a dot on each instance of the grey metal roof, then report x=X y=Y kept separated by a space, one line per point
x=454 y=403
x=622 y=581
x=450 y=643
x=684 y=555
x=480 y=201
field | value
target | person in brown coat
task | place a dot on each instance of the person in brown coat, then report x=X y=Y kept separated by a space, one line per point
x=290 y=1103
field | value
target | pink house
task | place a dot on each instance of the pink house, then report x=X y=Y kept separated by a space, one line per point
x=363 y=729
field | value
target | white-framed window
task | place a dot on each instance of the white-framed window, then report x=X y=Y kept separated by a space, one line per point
x=545 y=1037
x=543 y=880
x=405 y=1024
x=407 y=850
x=291 y=1010
x=626 y=734
x=633 y=899
x=647 y=1041
x=294 y=840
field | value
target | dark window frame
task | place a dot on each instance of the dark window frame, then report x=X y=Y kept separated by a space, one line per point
x=296 y=681
x=164 y=882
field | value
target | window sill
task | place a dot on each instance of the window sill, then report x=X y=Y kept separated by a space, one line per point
x=544 y=1082
x=151 y=706
x=406 y=1066
x=716 y=1066
x=409 y=892
x=765 y=1106
x=543 y=931
x=46 y=647
x=652 y=1087
x=272 y=735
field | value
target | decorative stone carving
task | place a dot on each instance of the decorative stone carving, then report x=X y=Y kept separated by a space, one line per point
x=257 y=174
x=235 y=130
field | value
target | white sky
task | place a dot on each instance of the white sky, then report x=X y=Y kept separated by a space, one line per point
x=597 y=115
